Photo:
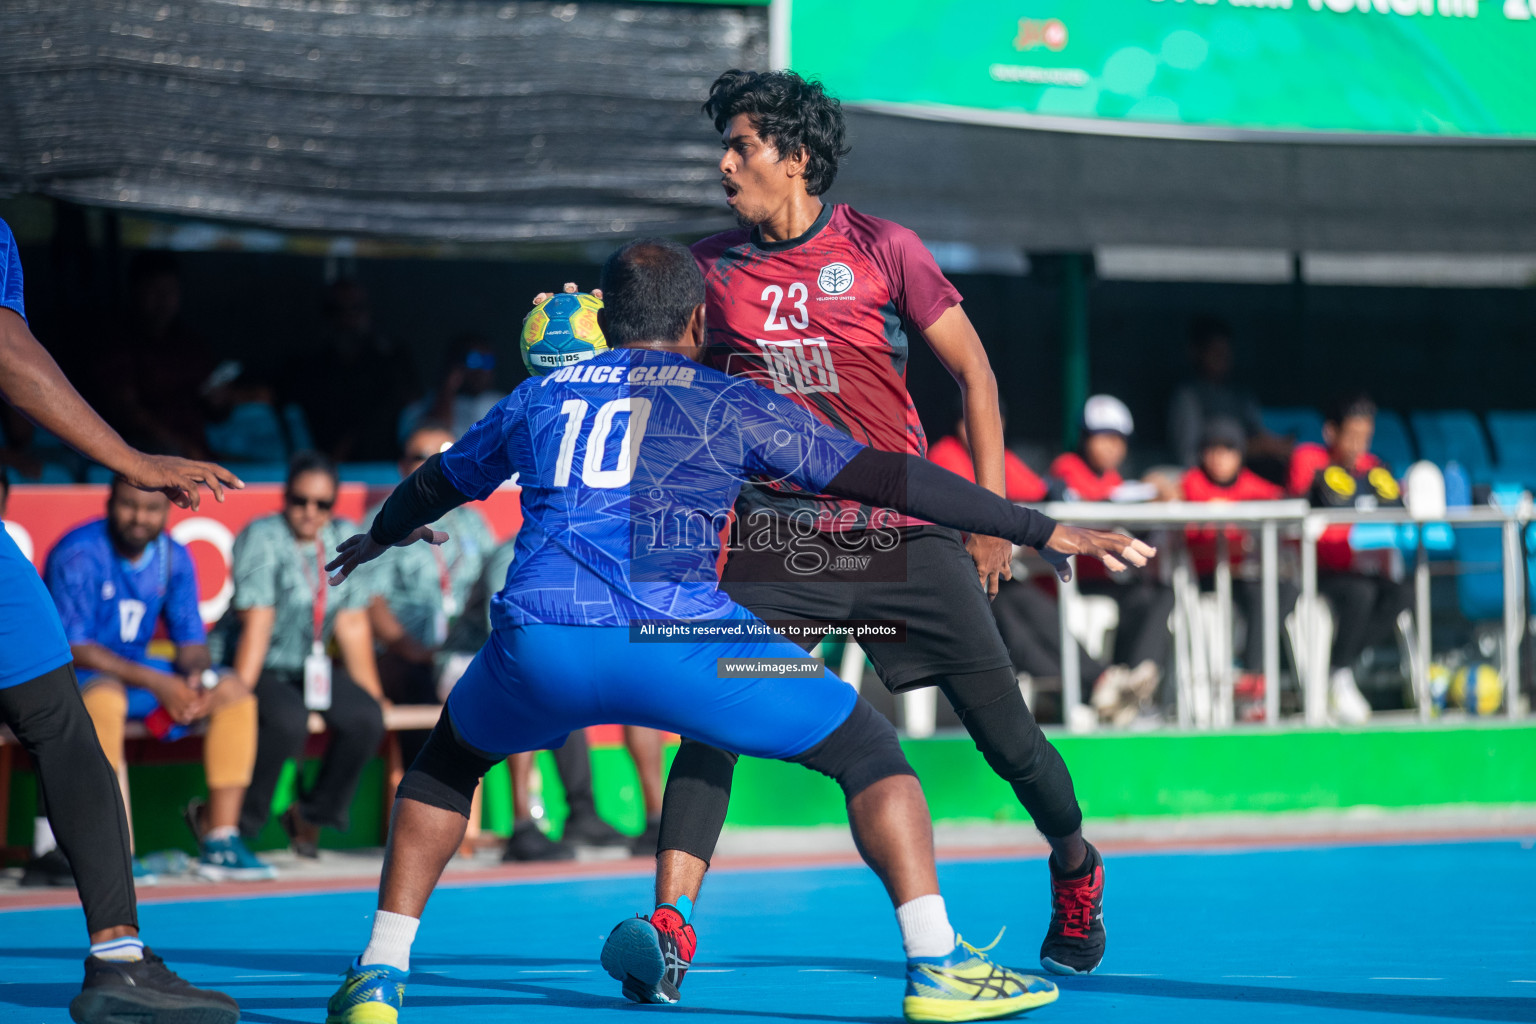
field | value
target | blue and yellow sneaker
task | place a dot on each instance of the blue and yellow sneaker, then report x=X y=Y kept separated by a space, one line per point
x=369 y=995
x=967 y=985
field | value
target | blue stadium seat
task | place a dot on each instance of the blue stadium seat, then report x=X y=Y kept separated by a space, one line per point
x=252 y=433
x=1301 y=423
x=1454 y=436
x=298 y=428
x=55 y=473
x=1392 y=444
x=1514 y=443
x=269 y=472
x=374 y=474
x=96 y=473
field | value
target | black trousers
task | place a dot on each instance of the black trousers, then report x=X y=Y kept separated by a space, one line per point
x=1031 y=626
x=85 y=806
x=357 y=728
x=1365 y=611
x=1145 y=606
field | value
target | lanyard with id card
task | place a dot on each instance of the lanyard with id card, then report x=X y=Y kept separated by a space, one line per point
x=317 y=665
x=448 y=607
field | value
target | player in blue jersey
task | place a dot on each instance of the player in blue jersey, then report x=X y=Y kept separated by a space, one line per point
x=628 y=463
x=40 y=702
x=113 y=580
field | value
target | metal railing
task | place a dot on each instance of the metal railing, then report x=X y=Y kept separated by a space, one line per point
x=1296 y=519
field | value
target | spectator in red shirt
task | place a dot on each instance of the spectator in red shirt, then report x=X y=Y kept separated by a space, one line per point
x=1221 y=476
x=1367 y=606
x=953 y=452
x=1145 y=603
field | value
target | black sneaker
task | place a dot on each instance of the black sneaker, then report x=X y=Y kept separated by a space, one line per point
x=52 y=868
x=146 y=992
x=644 y=844
x=590 y=830
x=303 y=837
x=528 y=843
x=1075 y=942
x=651 y=955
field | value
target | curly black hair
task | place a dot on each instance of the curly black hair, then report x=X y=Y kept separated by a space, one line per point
x=788 y=111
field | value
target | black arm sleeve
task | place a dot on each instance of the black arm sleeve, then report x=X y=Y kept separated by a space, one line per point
x=917 y=487
x=423 y=497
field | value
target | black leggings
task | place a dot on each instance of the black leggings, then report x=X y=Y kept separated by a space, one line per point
x=357 y=728
x=990 y=707
x=85 y=806
x=1365 y=611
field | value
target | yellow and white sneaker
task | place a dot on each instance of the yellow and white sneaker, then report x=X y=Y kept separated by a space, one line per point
x=967 y=985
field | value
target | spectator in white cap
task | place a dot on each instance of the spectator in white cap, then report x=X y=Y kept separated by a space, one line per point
x=1092 y=473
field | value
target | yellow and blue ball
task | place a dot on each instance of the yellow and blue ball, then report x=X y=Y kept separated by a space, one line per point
x=1477 y=688
x=561 y=331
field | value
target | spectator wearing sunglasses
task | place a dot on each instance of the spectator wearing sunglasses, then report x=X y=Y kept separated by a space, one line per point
x=304 y=646
x=419 y=592
x=468 y=390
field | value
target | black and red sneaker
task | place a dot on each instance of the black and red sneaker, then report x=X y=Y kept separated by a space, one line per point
x=1075 y=942
x=651 y=955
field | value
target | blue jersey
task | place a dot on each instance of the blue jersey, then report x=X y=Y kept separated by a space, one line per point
x=10 y=272
x=105 y=599
x=629 y=464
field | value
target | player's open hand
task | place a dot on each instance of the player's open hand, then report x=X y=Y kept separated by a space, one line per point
x=570 y=289
x=1117 y=551
x=181 y=479
x=361 y=548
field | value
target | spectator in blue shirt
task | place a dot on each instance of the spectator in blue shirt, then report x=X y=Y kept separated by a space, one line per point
x=112 y=581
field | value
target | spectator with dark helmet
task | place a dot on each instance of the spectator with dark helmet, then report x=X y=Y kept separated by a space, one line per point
x=113 y=580
x=288 y=623
x=1368 y=605
x=1092 y=473
x=1221 y=476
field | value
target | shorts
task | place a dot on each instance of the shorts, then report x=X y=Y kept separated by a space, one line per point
x=32 y=642
x=532 y=685
x=140 y=701
x=927 y=581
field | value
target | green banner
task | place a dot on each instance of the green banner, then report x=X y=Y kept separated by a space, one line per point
x=1447 y=68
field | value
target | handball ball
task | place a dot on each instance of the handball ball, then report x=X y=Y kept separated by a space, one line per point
x=560 y=331
x=1476 y=687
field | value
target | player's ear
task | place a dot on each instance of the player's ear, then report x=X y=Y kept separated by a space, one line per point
x=696 y=328
x=794 y=164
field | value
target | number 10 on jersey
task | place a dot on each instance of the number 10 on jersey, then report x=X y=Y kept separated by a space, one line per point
x=592 y=472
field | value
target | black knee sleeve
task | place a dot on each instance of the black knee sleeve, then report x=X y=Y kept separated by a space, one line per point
x=446 y=771
x=994 y=713
x=698 y=796
x=858 y=753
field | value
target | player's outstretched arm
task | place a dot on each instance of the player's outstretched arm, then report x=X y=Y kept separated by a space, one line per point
x=917 y=487
x=32 y=382
x=421 y=498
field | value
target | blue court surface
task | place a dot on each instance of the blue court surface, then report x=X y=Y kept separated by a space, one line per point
x=1319 y=934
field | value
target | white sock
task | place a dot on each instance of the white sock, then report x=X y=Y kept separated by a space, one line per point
x=925 y=929
x=215 y=835
x=42 y=837
x=125 y=949
x=391 y=940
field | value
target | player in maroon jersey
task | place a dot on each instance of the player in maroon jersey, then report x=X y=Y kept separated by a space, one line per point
x=811 y=300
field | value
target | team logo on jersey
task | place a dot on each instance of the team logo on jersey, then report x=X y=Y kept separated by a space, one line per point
x=834 y=279
x=108 y=591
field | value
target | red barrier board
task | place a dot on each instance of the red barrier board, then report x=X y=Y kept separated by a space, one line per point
x=37 y=516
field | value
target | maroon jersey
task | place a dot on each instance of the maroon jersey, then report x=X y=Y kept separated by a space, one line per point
x=818 y=319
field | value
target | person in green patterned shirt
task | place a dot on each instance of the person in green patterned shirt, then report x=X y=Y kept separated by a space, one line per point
x=417 y=593
x=290 y=627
